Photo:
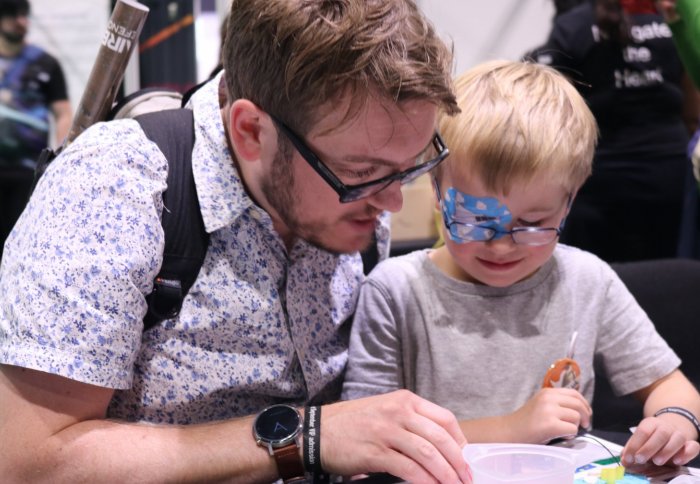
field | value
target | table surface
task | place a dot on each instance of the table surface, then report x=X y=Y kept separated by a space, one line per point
x=616 y=437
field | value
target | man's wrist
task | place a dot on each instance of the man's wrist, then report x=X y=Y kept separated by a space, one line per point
x=279 y=428
x=312 y=444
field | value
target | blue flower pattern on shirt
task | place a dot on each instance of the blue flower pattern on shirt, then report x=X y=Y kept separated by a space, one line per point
x=259 y=325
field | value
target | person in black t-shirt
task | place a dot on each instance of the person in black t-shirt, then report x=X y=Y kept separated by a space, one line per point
x=621 y=57
x=32 y=88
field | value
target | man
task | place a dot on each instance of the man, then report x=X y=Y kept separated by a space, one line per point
x=331 y=105
x=32 y=87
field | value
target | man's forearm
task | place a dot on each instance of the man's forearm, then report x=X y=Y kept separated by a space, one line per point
x=52 y=429
x=111 y=451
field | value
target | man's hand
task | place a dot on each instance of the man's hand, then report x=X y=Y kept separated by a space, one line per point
x=659 y=440
x=399 y=433
x=551 y=413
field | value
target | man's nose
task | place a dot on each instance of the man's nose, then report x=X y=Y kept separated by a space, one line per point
x=390 y=198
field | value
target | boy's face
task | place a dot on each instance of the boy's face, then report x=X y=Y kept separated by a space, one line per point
x=501 y=262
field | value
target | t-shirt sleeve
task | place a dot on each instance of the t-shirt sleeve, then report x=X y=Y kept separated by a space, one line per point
x=56 y=87
x=633 y=353
x=374 y=364
x=570 y=38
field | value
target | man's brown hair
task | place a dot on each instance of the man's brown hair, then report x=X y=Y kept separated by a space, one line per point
x=294 y=57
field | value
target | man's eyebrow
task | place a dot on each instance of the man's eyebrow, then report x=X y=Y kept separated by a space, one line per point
x=382 y=161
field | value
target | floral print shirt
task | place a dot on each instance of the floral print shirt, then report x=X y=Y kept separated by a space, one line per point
x=260 y=325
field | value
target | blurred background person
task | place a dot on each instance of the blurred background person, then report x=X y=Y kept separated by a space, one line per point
x=683 y=18
x=621 y=57
x=560 y=7
x=32 y=88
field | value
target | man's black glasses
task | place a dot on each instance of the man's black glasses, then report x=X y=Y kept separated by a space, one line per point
x=351 y=193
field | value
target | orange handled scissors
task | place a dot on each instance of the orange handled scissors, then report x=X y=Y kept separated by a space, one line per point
x=565 y=372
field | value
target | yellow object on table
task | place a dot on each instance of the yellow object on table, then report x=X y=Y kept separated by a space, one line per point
x=612 y=474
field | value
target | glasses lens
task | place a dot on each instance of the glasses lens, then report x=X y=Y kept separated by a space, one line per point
x=377 y=186
x=358 y=193
x=371 y=188
x=470 y=233
x=419 y=170
x=534 y=236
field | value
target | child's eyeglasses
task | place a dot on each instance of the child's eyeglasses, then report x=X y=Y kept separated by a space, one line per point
x=462 y=232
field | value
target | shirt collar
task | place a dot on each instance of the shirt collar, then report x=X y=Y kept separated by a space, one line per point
x=220 y=190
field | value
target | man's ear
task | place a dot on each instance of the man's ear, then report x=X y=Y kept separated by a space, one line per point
x=244 y=129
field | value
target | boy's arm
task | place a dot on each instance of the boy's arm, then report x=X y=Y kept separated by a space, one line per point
x=551 y=413
x=670 y=436
x=53 y=429
x=375 y=353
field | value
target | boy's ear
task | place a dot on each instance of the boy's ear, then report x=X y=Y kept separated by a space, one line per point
x=244 y=128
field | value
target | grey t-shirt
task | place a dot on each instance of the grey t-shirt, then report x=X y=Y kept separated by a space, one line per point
x=482 y=351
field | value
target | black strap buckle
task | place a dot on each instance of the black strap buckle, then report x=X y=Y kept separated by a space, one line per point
x=165 y=301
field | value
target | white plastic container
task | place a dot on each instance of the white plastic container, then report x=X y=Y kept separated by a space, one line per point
x=520 y=463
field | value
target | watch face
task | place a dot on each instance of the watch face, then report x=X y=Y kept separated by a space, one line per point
x=278 y=424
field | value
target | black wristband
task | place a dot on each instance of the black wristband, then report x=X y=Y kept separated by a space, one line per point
x=684 y=413
x=312 y=444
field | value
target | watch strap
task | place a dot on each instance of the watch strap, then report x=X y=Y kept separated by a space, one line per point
x=289 y=463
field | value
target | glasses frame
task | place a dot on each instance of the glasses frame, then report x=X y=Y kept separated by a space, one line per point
x=352 y=193
x=512 y=232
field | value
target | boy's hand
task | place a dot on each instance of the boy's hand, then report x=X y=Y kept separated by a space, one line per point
x=551 y=413
x=657 y=440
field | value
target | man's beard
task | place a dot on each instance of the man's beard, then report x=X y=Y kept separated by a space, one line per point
x=12 y=37
x=278 y=188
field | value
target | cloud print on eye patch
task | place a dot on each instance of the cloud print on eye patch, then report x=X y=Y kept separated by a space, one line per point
x=485 y=211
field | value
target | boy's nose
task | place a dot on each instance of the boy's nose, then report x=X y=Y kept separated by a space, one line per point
x=503 y=243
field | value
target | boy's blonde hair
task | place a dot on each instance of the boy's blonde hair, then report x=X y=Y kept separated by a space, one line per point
x=519 y=121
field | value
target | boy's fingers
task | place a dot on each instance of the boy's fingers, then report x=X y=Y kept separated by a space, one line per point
x=689 y=451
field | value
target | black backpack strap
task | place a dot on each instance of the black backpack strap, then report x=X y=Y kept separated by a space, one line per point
x=186 y=240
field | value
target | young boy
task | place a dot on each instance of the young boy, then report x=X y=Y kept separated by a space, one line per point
x=475 y=325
